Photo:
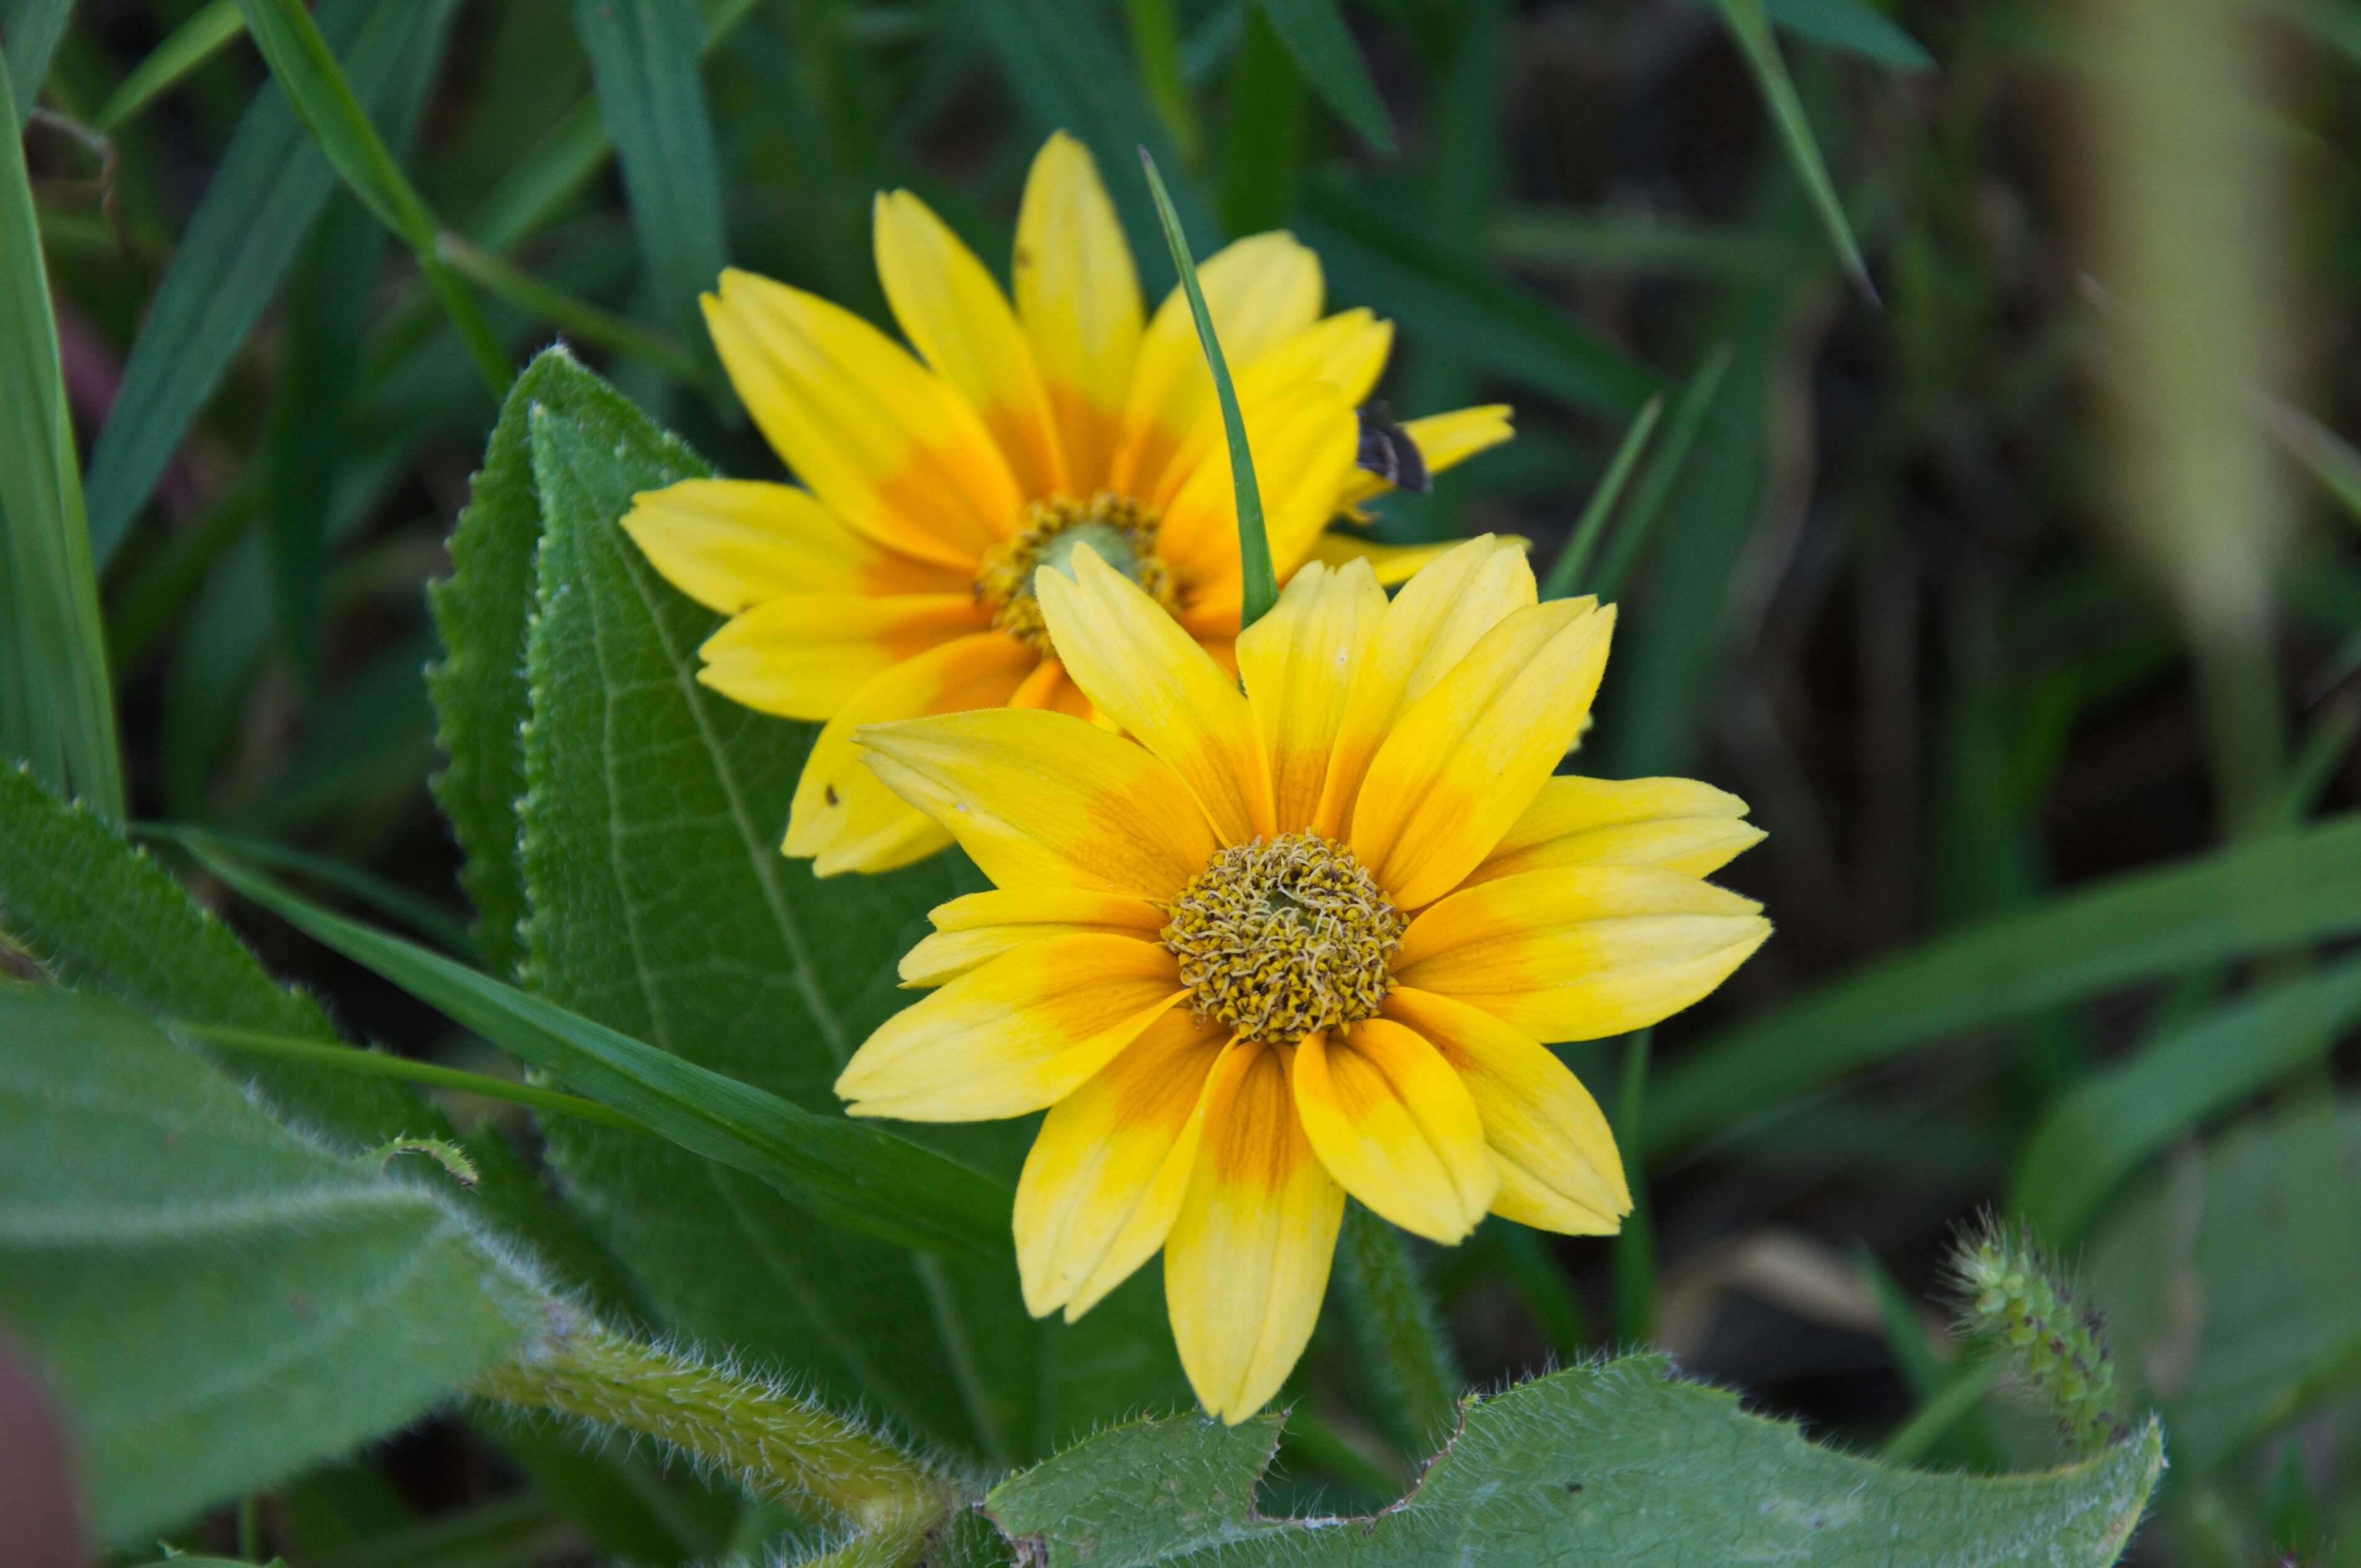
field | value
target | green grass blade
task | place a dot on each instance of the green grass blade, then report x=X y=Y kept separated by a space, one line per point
x=1581 y=244
x=1751 y=25
x=1566 y=570
x=1155 y=31
x=643 y=57
x=303 y=64
x=397 y=903
x=2325 y=455
x=1441 y=296
x=587 y=323
x=1664 y=476
x=842 y=1172
x=64 y=705
x=1262 y=155
x=1253 y=542
x=2259 y=898
x=187 y=47
x=2110 y=1123
x=31 y=30
x=1852 y=25
x=241 y=245
x=1316 y=34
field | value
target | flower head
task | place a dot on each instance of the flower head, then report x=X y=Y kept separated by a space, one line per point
x=898 y=581
x=1271 y=946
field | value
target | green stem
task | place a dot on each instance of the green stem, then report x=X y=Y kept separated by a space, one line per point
x=1260 y=586
x=591 y=323
x=780 y=1446
x=249 y=1528
x=1394 y=1324
x=380 y=1064
x=475 y=333
x=2245 y=727
x=1635 y=1248
x=1566 y=570
x=1939 y=1414
x=1541 y=1285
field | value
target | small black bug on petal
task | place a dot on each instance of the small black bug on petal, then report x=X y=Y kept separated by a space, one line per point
x=1387 y=451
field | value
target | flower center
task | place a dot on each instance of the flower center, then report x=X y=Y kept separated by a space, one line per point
x=1122 y=530
x=1284 y=937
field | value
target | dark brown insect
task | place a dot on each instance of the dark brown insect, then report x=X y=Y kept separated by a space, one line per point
x=1387 y=451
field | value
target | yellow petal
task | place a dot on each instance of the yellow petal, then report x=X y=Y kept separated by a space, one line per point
x=972 y=930
x=1465 y=761
x=1109 y=1166
x=1260 y=291
x=1428 y=628
x=1443 y=440
x=1346 y=351
x=731 y=543
x=1390 y=1121
x=1247 y=1261
x=1678 y=824
x=1078 y=297
x=1394 y=564
x=955 y=316
x=1021 y=1033
x=1582 y=952
x=843 y=818
x=1559 y=1170
x=890 y=446
x=1141 y=670
x=1302 y=448
x=1047 y=800
x=1298 y=663
x=805 y=655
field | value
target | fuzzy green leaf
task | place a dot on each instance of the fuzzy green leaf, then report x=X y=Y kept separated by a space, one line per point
x=220 y=1301
x=102 y=917
x=660 y=906
x=1619 y=1463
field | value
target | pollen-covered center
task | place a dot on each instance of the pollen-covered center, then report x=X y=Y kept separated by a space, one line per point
x=1284 y=937
x=1121 y=530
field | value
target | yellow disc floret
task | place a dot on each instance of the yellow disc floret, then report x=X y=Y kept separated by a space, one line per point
x=1122 y=530
x=1284 y=937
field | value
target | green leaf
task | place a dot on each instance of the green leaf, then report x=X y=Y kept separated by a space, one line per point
x=58 y=709
x=1567 y=569
x=102 y=917
x=1315 y=35
x=1620 y=1462
x=1261 y=586
x=30 y=31
x=2234 y=1280
x=1665 y=472
x=481 y=698
x=204 y=34
x=1443 y=296
x=245 y=238
x=643 y=57
x=2112 y=1122
x=1852 y=25
x=662 y=908
x=831 y=1167
x=220 y=1301
x=2256 y=897
x=1751 y=27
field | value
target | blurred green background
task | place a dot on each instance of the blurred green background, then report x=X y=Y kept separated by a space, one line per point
x=1991 y=537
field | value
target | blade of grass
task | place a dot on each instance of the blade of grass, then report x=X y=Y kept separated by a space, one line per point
x=31 y=31
x=1751 y=27
x=62 y=705
x=2263 y=895
x=643 y=58
x=1262 y=157
x=1155 y=28
x=1254 y=543
x=2326 y=455
x=1566 y=570
x=842 y=1172
x=1969 y=1383
x=1664 y=476
x=184 y=49
x=302 y=63
x=589 y=323
x=384 y=1064
x=1577 y=244
x=1315 y=35
x=242 y=243
x=1852 y=25
x=2113 y=1120
x=445 y=930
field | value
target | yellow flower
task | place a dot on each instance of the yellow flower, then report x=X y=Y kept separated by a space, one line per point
x=1271 y=947
x=898 y=582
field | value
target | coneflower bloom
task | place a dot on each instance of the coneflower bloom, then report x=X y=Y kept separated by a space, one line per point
x=898 y=580
x=1271 y=946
